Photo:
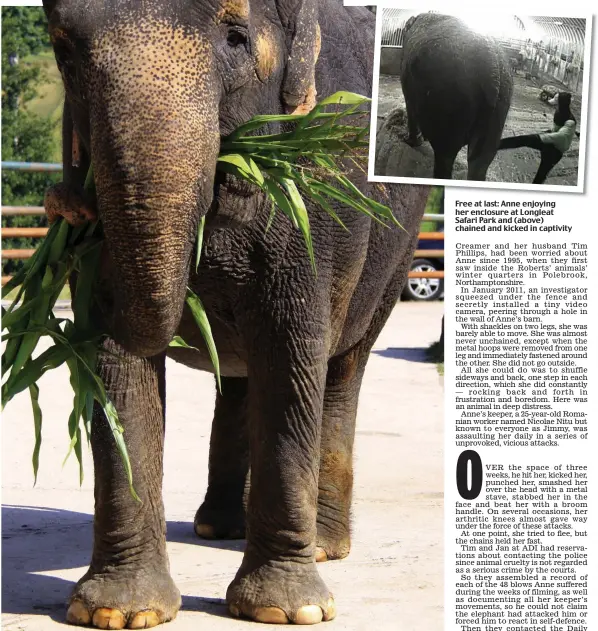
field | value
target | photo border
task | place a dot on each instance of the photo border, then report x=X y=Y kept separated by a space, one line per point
x=541 y=188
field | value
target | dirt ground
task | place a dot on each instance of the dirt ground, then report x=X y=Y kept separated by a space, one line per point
x=528 y=115
x=393 y=578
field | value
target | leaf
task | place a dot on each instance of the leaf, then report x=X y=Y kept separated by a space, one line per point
x=306 y=185
x=37 y=424
x=200 y=229
x=260 y=121
x=76 y=413
x=99 y=393
x=179 y=342
x=82 y=301
x=33 y=370
x=273 y=164
x=340 y=196
x=346 y=98
x=245 y=163
x=278 y=197
x=87 y=385
x=338 y=98
x=271 y=216
x=375 y=207
x=60 y=241
x=302 y=218
x=201 y=319
x=88 y=414
x=31 y=337
x=14 y=282
x=117 y=432
x=11 y=319
x=35 y=263
x=89 y=184
x=233 y=169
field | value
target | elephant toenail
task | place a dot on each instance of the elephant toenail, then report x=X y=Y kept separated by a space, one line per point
x=309 y=614
x=78 y=613
x=330 y=612
x=107 y=618
x=271 y=615
x=205 y=531
x=234 y=611
x=144 y=620
x=321 y=555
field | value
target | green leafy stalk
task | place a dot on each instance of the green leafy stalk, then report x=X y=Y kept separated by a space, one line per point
x=305 y=159
x=202 y=223
x=201 y=319
x=37 y=424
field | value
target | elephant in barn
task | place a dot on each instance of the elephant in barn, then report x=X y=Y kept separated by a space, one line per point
x=457 y=86
x=151 y=88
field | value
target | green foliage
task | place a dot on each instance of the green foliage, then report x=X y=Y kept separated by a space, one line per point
x=310 y=159
x=26 y=137
x=24 y=32
x=434 y=206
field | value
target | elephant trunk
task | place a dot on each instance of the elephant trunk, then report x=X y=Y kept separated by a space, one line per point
x=154 y=146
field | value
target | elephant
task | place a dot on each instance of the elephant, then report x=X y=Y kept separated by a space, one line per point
x=457 y=86
x=151 y=87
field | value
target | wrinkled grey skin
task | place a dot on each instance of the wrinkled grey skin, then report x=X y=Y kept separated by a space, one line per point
x=150 y=89
x=457 y=87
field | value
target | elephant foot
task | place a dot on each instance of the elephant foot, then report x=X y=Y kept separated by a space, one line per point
x=213 y=523
x=135 y=601
x=328 y=549
x=333 y=538
x=330 y=552
x=279 y=594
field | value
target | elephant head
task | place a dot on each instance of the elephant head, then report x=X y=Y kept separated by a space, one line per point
x=151 y=86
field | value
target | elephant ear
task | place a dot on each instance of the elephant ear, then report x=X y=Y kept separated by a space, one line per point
x=300 y=21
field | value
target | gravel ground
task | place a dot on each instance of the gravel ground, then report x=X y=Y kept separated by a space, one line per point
x=527 y=115
x=393 y=578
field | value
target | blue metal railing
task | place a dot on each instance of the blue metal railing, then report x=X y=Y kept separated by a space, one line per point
x=32 y=166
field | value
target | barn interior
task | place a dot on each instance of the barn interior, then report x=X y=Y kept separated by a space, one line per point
x=545 y=55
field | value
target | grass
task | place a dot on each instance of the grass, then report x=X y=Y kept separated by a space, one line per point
x=49 y=100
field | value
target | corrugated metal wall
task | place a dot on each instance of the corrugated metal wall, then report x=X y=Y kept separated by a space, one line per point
x=550 y=46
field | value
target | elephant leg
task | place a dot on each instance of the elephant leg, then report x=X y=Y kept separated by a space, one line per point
x=480 y=154
x=335 y=484
x=444 y=161
x=128 y=583
x=414 y=137
x=222 y=514
x=482 y=148
x=278 y=581
x=343 y=385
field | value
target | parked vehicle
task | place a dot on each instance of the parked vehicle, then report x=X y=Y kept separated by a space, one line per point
x=426 y=288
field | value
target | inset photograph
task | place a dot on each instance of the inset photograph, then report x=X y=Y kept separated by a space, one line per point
x=499 y=99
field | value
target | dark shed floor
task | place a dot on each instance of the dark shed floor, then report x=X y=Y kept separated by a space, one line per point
x=528 y=114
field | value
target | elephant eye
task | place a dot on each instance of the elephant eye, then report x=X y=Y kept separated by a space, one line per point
x=236 y=37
